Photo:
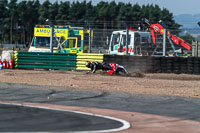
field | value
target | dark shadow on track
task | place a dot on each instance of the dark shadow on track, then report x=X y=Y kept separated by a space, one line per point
x=28 y=119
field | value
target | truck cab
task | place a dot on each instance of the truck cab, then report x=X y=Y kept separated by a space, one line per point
x=137 y=41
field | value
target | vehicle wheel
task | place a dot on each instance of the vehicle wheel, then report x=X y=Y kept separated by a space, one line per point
x=121 y=71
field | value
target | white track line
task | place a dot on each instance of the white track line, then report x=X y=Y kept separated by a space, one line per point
x=125 y=126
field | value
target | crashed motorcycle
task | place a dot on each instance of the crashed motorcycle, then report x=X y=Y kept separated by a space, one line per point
x=110 y=68
x=116 y=69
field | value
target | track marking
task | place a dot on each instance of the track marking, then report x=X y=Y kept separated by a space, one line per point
x=125 y=126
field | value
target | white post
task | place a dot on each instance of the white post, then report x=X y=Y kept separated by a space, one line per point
x=127 y=34
x=51 y=39
x=52 y=34
x=90 y=39
x=164 y=42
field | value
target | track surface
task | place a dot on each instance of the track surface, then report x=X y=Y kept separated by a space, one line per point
x=28 y=119
x=170 y=106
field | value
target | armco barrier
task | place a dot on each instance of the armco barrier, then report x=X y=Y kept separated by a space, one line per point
x=45 y=60
x=82 y=58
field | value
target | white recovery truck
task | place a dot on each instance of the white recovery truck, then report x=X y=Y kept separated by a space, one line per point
x=138 y=42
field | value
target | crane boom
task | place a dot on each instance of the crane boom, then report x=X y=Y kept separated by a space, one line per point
x=158 y=28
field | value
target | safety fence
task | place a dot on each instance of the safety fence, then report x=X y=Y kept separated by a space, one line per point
x=45 y=60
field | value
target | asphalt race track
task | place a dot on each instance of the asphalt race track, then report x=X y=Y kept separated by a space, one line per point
x=28 y=119
x=181 y=108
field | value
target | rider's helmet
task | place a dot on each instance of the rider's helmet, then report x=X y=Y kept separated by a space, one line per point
x=87 y=64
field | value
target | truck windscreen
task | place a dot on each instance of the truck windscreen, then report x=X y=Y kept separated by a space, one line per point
x=43 y=42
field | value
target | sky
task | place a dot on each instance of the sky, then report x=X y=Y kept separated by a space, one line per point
x=175 y=6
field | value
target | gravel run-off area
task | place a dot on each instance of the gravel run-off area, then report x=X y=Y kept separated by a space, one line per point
x=138 y=83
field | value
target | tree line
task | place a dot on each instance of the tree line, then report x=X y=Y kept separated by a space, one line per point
x=17 y=19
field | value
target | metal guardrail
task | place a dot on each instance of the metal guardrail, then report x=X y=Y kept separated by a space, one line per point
x=45 y=60
x=82 y=58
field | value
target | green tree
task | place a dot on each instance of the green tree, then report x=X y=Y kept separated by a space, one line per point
x=120 y=18
x=136 y=16
x=77 y=12
x=12 y=6
x=28 y=17
x=23 y=18
x=103 y=13
x=63 y=12
x=91 y=12
x=53 y=11
x=136 y=12
x=112 y=9
x=31 y=19
x=3 y=17
x=44 y=12
x=35 y=12
x=154 y=13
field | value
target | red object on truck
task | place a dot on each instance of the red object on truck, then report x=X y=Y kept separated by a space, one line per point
x=158 y=28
